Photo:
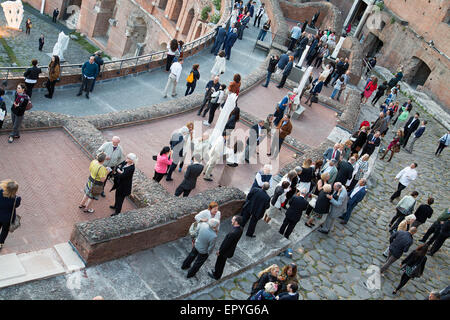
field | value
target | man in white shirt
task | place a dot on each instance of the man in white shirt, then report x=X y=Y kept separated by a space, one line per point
x=404 y=177
x=174 y=77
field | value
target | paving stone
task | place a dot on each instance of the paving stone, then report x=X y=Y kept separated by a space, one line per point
x=323 y=267
x=341 y=292
x=306 y=284
x=238 y=295
x=203 y=297
x=312 y=296
x=245 y=285
x=361 y=292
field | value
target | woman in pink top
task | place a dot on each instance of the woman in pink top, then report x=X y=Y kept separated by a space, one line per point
x=163 y=160
x=369 y=89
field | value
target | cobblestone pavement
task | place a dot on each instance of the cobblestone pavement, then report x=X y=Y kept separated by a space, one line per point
x=335 y=266
x=26 y=47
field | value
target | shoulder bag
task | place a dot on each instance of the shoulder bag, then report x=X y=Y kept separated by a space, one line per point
x=97 y=187
x=16 y=224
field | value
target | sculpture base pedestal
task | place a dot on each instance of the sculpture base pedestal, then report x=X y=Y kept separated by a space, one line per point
x=296 y=74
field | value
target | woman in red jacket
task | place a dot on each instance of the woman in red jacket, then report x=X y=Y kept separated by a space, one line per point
x=369 y=89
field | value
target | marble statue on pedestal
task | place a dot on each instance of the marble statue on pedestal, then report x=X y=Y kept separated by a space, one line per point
x=13 y=11
x=61 y=46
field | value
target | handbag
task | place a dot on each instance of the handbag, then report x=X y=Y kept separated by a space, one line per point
x=396 y=148
x=193 y=229
x=155 y=157
x=16 y=224
x=97 y=188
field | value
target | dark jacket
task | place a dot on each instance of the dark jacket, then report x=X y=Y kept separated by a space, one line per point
x=322 y=203
x=98 y=60
x=340 y=67
x=306 y=175
x=6 y=207
x=401 y=241
x=90 y=69
x=360 y=140
x=419 y=132
x=414 y=126
x=302 y=43
x=231 y=39
x=369 y=146
x=353 y=201
x=414 y=259
x=210 y=85
x=32 y=73
x=297 y=205
x=20 y=110
x=221 y=35
x=261 y=282
x=278 y=192
x=191 y=175
x=381 y=90
x=272 y=65
x=257 y=202
x=288 y=68
x=230 y=242
x=345 y=172
x=423 y=212
x=196 y=77
x=41 y=41
x=123 y=181
x=287 y=296
x=284 y=59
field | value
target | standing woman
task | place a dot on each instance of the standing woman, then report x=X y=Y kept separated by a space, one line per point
x=31 y=77
x=172 y=48
x=180 y=49
x=97 y=178
x=323 y=53
x=394 y=145
x=28 y=26
x=41 y=42
x=413 y=266
x=264 y=30
x=54 y=72
x=163 y=160
x=347 y=149
x=319 y=186
x=194 y=75
x=8 y=204
x=306 y=176
x=219 y=65
x=379 y=93
x=369 y=89
x=443 y=143
x=361 y=138
x=18 y=110
x=123 y=180
x=322 y=206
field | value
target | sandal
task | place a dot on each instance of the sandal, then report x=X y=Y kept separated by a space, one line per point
x=89 y=210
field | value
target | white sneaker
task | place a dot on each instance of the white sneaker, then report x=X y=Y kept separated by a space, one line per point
x=206 y=123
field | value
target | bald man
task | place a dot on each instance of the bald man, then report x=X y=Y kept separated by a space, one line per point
x=114 y=156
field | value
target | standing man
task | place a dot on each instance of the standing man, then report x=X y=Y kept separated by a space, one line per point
x=211 y=87
x=259 y=202
x=114 y=156
x=203 y=247
x=283 y=61
x=301 y=45
x=220 y=39
x=332 y=153
x=190 y=177
x=400 y=242
x=229 y=42
x=227 y=247
x=256 y=135
x=271 y=68
x=286 y=72
x=404 y=177
x=443 y=235
x=356 y=196
x=41 y=42
x=174 y=77
x=444 y=141
x=99 y=61
x=55 y=15
x=89 y=72
x=251 y=9
x=338 y=207
x=297 y=204
x=283 y=129
x=259 y=14
x=435 y=228
x=244 y=21
x=373 y=141
x=344 y=85
x=411 y=125
x=296 y=32
x=345 y=170
x=419 y=132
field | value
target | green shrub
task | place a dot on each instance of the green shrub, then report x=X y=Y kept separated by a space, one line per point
x=392 y=20
x=217 y=4
x=215 y=18
x=9 y=51
x=205 y=11
x=380 y=5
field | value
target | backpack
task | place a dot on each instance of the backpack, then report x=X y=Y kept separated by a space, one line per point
x=190 y=77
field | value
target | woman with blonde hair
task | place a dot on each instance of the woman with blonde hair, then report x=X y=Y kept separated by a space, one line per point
x=347 y=149
x=270 y=274
x=306 y=176
x=9 y=201
x=94 y=185
x=361 y=167
x=268 y=293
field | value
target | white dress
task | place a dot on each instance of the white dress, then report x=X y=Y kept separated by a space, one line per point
x=219 y=66
x=230 y=104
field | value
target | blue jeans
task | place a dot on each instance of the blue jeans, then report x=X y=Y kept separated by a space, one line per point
x=334 y=93
x=261 y=35
x=347 y=214
x=269 y=75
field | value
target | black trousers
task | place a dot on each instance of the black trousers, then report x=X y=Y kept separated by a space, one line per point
x=292 y=44
x=405 y=278
x=440 y=148
x=434 y=230
x=397 y=193
x=287 y=227
x=169 y=61
x=220 y=265
x=376 y=98
x=118 y=202
x=50 y=87
x=438 y=243
x=172 y=168
x=406 y=137
x=318 y=62
x=190 y=87
x=252 y=226
x=86 y=85
x=399 y=217
x=212 y=110
x=40 y=46
x=245 y=217
x=181 y=190
x=5 y=231
x=283 y=81
x=199 y=261
x=205 y=102
x=29 y=88
x=257 y=20
x=158 y=176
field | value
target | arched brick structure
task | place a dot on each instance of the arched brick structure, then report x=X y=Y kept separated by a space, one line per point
x=136 y=33
x=188 y=22
x=176 y=11
x=162 y=4
x=198 y=32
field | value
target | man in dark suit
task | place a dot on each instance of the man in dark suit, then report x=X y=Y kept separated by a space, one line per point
x=55 y=15
x=229 y=42
x=302 y=43
x=244 y=21
x=227 y=247
x=257 y=202
x=256 y=135
x=411 y=125
x=345 y=170
x=355 y=196
x=286 y=72
x=332 y=153
x=190 y=177
x=220 y=39
x=373 y=141
x=297 y=205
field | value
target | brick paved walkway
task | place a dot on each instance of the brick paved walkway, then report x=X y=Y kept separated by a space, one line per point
x=51 y=171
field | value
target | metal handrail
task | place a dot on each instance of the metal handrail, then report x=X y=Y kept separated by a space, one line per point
x=8 y=72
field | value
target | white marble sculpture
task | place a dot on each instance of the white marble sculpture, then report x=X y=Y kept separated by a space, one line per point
x=338 y=47
x=303 y=57
x=13 y=13
x=61 y=46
